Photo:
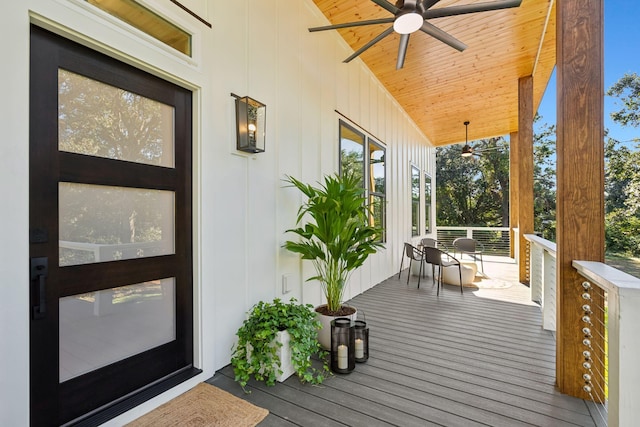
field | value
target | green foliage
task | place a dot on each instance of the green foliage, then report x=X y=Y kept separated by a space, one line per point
x=622 y=173
x=473 y=191
x=544 y=180
x=628 y=90
x=255 y=352
x=337 y=238
x=621 y=233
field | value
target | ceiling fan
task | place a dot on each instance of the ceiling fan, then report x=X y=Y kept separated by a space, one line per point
x=413 y=15
x=469 y=151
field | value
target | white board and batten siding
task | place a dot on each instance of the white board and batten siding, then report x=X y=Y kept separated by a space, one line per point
x=260 y=49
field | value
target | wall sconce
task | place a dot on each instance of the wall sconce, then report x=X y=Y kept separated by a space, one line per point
x=251 y=118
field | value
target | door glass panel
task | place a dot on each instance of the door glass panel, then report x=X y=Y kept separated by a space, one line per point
x=103 y=223
x=100 y=120
x=100 y=328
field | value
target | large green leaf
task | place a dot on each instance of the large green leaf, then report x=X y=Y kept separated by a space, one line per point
x=336 y=235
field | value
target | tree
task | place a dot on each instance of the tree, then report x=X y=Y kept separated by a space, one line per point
x=473 y=191
x=627 y=89
x=622 y=173
x=544 y=180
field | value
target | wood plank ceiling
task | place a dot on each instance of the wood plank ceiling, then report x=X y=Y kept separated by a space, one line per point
x=439 y=87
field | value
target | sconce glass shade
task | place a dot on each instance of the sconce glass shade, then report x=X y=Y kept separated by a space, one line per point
x=251 y=118
x=342 y=354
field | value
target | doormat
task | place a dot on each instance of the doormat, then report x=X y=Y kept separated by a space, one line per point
x=204 y=405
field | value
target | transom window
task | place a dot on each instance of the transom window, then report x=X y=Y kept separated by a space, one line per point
x=142 y=18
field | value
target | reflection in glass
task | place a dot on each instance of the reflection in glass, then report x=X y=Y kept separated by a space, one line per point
x=144 y=19
x=377 y=162
x=100 y=328
x=427 y=203
x=351 y=152
x=377 y=186
x=102 y=223
x=100 y=120
x=415 y=200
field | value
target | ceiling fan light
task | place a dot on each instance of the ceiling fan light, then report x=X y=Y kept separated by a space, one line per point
x=408 y=23
x=467 y=151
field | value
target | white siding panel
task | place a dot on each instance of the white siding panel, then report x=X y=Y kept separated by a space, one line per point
x=260 y=49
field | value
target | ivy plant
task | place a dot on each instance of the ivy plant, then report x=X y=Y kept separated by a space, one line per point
x=255 y=352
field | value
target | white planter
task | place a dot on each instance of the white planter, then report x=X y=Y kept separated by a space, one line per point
x=324 y=333
x=284 y=354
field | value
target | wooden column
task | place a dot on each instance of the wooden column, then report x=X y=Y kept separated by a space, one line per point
x=525 y=171
x=580 y=171
x=513 y=191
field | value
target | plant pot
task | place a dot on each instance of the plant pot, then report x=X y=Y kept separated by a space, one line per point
x=284 y=354
x=324 y=333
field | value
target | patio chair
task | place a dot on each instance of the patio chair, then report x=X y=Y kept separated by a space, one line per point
x=413 y=254
x=469 y=246
x=434 y=256
x=432 y=243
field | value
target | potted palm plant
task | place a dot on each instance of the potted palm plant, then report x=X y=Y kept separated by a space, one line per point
x=335 y=234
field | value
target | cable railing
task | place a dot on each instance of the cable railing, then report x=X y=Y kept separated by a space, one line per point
x=594 y=326
x=617 y=295
x=608 y=322
x=495 y=240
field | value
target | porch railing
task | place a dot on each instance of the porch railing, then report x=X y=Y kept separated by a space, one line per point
x=609 y=346
x=494 y=239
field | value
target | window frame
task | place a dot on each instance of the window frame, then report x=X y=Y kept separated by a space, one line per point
x=427 y=202
x=415 y=202
x=366 y=141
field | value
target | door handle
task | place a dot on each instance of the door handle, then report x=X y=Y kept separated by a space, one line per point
x=39 y=273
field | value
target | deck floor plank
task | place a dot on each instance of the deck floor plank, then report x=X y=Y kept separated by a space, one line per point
x=480 y=358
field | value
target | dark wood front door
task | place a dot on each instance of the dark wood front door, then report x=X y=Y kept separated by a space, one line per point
x=110 y=234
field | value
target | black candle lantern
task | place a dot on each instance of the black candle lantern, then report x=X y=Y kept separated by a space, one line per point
x=361 y=342
x=342 y=345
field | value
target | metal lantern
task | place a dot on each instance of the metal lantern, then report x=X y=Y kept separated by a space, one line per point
x=343 y=358
x=251 y=118
x=361 y=342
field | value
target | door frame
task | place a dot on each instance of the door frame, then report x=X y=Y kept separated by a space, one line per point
x=55 y=166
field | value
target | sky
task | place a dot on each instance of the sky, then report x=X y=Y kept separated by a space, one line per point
x=621 y=55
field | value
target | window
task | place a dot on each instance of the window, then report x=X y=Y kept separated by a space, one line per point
x=364 y=157
x=415 y=200
x=145 y=20
x=427 y=203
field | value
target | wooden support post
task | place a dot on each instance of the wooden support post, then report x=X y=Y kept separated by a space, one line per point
x=525 y=171
x=580 y=171
x=513 y=192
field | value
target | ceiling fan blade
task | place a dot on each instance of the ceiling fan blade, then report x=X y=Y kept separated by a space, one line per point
x=387 y=6
x=470 y=8
x=428 y=3
x=445 y=38
x=402 y=50
x=352 y=24
x=375 y=40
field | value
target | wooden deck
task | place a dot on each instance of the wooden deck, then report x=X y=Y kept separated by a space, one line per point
x=480 y=358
